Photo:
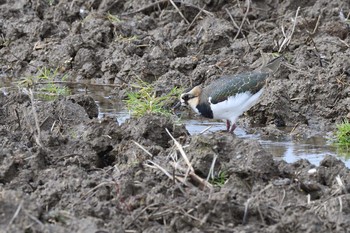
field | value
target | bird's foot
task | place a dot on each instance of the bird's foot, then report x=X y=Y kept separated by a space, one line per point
x=230 y=128
x=228 y=125
x=233 y=127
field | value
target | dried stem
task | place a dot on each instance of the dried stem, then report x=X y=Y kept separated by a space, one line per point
x=159 y=167
x=38 y=137
x=288 y=38
x=178 y=10
x=144 y=149
x=244 y=19
x=182 y=152
x=15 y=215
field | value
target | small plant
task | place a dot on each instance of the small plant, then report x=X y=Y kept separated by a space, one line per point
x=51 y=2
x=344 y=19
x=145 y=100
x=113 y=18
x=220 y=179
x=343 y=134
x=49 y=90
x=4 y=42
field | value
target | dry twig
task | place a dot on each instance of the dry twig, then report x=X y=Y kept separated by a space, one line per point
x=244 y=19
x=163 y=2
x=205 y=130
x=14 y=215
x=211 y=170
x=182 y=152
x=107 y=183
x=142 y=148
x=38 y=136
x=178 y=10
x=159 y=167
x=255 y=197
x=287 y=38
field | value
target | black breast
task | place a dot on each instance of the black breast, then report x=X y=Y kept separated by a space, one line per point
x=205 y=110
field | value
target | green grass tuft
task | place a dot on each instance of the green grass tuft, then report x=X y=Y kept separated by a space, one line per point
x=49 y=90
x=145 y=100
x=220 y=179
x=113 y=18
x=343 y=134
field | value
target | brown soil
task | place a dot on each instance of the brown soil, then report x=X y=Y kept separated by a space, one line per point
x=63 y=170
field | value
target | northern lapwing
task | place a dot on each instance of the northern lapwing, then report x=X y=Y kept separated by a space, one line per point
x=230 y=96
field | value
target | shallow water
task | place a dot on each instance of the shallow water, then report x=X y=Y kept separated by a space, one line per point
x=314 y=149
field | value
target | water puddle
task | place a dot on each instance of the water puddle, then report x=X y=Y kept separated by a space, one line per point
x=313 y=149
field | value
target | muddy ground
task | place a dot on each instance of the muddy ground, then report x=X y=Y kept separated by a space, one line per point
x=63 y=170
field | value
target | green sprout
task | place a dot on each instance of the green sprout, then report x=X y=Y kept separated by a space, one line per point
x=4 y=42
x=343 y=134
x=49 y=90
x=220 y=179
x=113 y=18
x=145 y=100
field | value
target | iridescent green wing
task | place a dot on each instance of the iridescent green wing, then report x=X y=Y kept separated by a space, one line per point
x=227 y=86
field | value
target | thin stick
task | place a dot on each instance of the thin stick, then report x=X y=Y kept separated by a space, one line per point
x=295 y=126
x=244 y=19
x=346 y=44
x=235 y=24
x=98 y=186
x=206 y=129
x=284 y=196
x=159 y=167
x=261 y=215
x=340 y=205
x=246 y=205
x=195 y=18
x=139 y=214
x=233 y=21
x=15 y=215
x=38 y=138
x=190 y=170
x=193 y=176
x=211 y=170
x=142 y=148
x=289 y=66
x=178 y=10
x=288 y=38
x=53 y=126
x=317 y=22
x=165 y=1
x=182 y=152
x=35 y=219
x=79 y=83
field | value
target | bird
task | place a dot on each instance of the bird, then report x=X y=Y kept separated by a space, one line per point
x=230 y=96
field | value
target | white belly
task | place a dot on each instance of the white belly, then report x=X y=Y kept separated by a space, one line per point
x=234 y=106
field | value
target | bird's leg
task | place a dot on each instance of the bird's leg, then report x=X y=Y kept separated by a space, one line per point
x=228 y=125
x=233 y=127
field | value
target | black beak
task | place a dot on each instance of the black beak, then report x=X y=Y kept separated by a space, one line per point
x=177 y=105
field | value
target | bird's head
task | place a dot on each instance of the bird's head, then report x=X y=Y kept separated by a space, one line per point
x=191 y=98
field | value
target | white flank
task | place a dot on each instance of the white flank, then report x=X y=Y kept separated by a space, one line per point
x=235 y=106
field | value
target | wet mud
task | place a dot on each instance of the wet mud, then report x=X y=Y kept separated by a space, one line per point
x=64 y=170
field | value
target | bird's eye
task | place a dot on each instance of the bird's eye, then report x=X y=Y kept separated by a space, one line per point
x=187 y=97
